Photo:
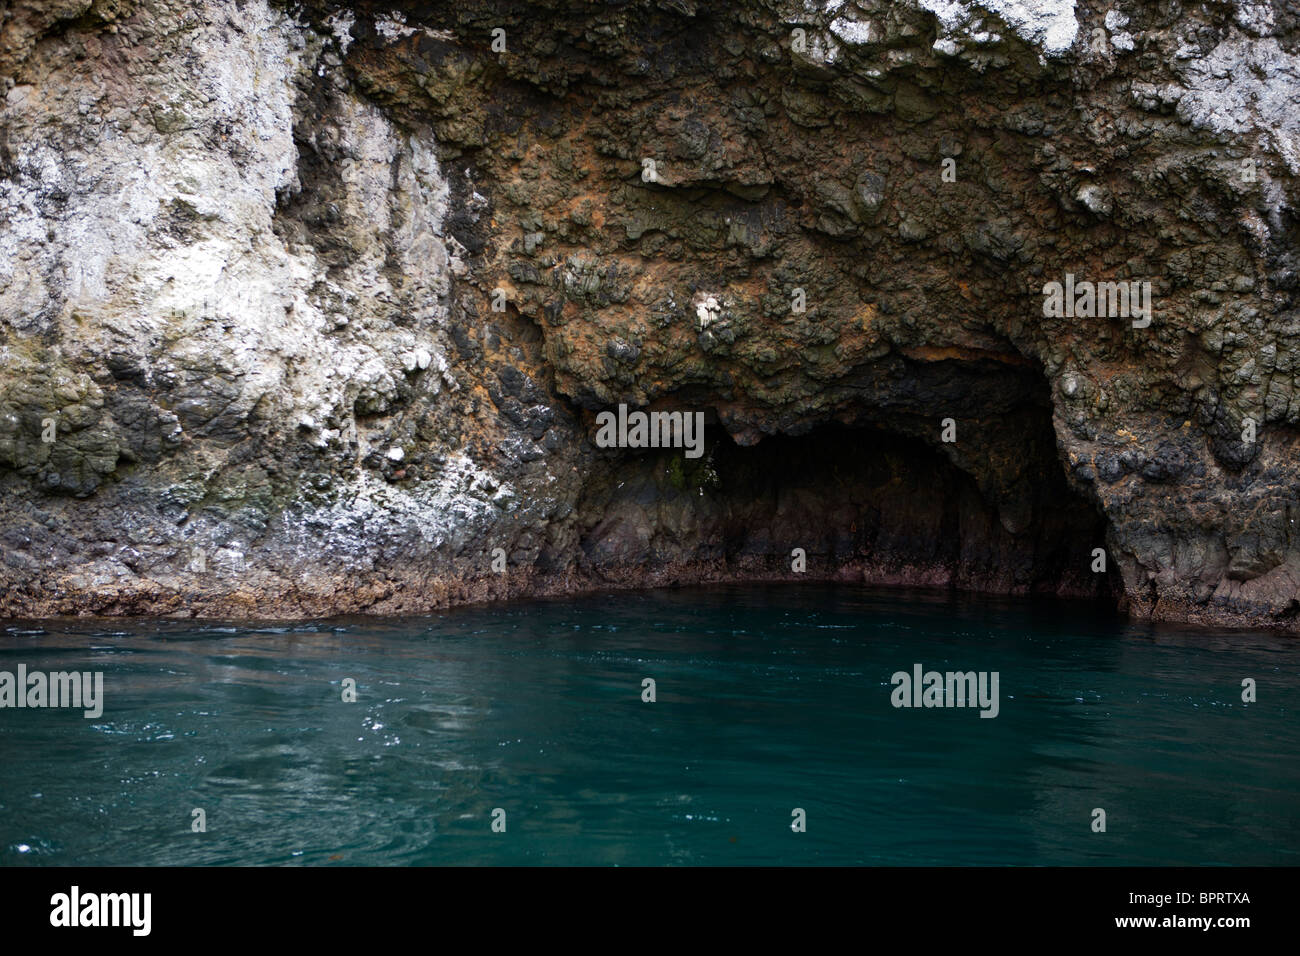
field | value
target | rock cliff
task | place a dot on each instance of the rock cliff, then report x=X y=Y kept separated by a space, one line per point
x=311 y=307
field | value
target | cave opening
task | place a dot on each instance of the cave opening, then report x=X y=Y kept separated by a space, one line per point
x=859 y=500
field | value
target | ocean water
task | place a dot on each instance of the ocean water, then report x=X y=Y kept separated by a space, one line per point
x=768 y=699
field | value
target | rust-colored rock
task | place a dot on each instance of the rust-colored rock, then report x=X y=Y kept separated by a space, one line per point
x=323 y=301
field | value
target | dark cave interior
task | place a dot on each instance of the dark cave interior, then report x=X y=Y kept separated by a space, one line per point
x=866 y=498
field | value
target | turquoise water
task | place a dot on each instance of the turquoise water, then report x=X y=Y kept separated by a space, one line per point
x=768 y=699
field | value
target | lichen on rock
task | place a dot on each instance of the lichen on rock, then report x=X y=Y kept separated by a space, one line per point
x=322 y=300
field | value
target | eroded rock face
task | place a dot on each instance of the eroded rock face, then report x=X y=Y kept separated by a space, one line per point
x=311 y=308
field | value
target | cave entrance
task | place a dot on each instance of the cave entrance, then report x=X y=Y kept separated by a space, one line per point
x=994 y=513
